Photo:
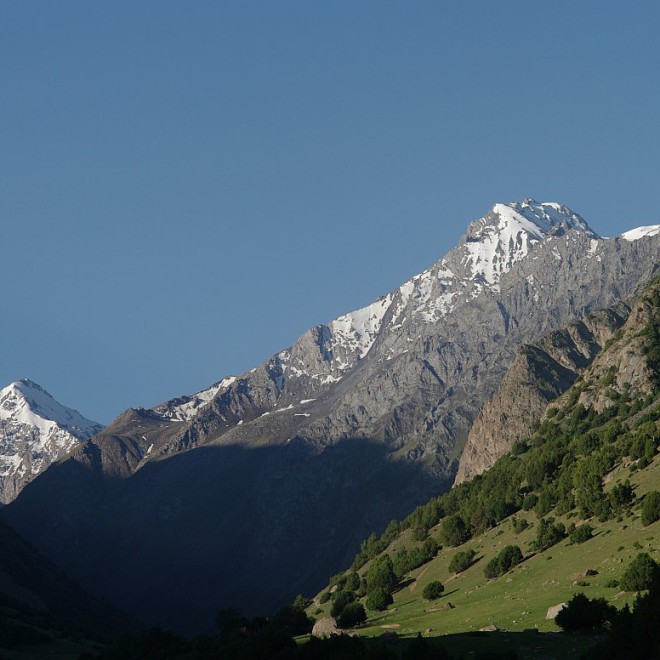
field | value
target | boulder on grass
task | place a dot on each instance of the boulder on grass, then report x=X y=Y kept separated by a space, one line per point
x=554 y=610
x=325 y=628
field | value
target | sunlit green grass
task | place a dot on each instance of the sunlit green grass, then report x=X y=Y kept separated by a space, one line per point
x=519 y=600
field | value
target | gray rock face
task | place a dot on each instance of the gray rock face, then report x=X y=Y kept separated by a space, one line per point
x=625 y=368
x=538 y=375
x=260 y=487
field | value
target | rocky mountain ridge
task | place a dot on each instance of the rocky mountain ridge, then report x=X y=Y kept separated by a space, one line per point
x=538 y=375
x=271 y=479
x=36 y=431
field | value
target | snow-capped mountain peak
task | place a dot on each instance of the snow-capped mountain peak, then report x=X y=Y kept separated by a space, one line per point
x=27 y=402
x=641 y=232
x=35 y=430
x=492 y=245
x=508 y=232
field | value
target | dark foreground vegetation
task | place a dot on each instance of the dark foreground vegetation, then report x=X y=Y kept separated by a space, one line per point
x=632 y=633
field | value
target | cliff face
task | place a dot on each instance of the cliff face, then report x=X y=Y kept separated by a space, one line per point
x=630 y=368
x=539 y=374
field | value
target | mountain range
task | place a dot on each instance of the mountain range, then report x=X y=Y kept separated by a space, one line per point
x=260 y=486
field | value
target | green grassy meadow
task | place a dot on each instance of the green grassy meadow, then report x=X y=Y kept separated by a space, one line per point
x=517 y=602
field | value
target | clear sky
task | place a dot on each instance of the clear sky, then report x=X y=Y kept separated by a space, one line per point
x=186 y=187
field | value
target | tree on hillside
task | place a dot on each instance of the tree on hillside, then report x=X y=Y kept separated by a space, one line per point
x=580 y=534
x=378 y=599
x=651 y=508
x=352 y=615
x=454 y=530
x=381 y=574
x=584 y=614
x=509 y=557
x=433 y=590
x=340 y=599
x=462 y=560
x=640 y=573
x=548 y=533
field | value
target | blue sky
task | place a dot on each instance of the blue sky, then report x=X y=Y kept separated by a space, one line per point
x=186 y=187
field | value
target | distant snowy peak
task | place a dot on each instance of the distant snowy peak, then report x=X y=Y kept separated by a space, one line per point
x=185 y=408
x=641 y=232
x=25 y=402
x=550 y=218
x=508 y=232
x=35 y=431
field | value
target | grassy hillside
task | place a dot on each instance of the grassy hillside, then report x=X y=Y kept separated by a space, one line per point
x=591 y=461
x=519 y=600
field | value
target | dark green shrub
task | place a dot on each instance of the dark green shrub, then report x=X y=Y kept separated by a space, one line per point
x=293 y=619
x=530 y=502
x=548 y=533
x=419 y=533
x=407 y=560
x=584 y=614
x=462 y=560
x=378 y=599
x=639 y=574
x=454 y=530
x=580 y=534
x=324 y=597
x=509 y=557
x=651 y=508
x=340 y=599
x=352 y=582
x=622 y=495
x=519 y=525
x=352 y=615
x=381 y=574
x=433 y=590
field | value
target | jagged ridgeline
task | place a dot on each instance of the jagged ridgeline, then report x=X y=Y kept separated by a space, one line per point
x=262 y=485
x=584 y=483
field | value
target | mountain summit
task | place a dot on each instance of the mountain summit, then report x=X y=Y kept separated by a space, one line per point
x=272 y=478
x=508 y=232
x=36 y=431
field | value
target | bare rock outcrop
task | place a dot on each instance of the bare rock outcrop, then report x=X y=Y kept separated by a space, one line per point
x=325 y=628
x=539 y=374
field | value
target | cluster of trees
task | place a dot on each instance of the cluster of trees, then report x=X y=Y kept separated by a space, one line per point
x=508 y=557
x=548 y=533
x=651 y=508
x=346 y=610
x=405 y=560
x=380 y=581
x=236 y=637
x=640 y=573
x=462 y=560
x=633 y=633
x=580 y=533
x=433 y=590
